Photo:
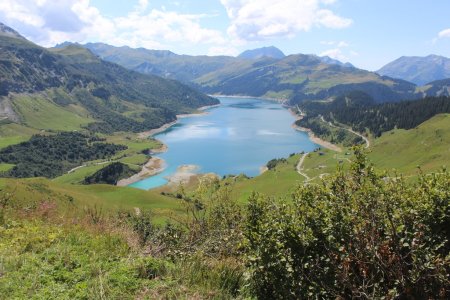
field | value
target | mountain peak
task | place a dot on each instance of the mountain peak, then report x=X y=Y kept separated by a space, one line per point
x=271 y=52
x=418 y=69
x=332 y=61
x=8 y=31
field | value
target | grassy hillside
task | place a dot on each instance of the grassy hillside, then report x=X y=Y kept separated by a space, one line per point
x=302 y=77
x=37 y=112
x=107 y=199
x=77 y=89
x=295 y=77
x=12 y=133
x=163 y=63
x=426 y=146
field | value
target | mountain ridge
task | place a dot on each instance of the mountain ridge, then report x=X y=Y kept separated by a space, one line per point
x=117 y=98
x=270 y=52
x=294 y=81
x=418 y=69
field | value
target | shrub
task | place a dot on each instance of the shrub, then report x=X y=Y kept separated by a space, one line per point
x=356 y=235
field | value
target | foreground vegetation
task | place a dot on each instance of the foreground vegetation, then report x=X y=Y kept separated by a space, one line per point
x=356 y=233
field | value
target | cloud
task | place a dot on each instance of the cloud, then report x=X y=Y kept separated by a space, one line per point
x=335 y=53
x=50 y=22
x=444 y=33
x=340 y=44
x=263 y=19
x=169 y=27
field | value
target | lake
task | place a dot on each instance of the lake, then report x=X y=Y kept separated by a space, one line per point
x=239 y=136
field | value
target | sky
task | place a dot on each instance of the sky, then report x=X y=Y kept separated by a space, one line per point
x=367 y=33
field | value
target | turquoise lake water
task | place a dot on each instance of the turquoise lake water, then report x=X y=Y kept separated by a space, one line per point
x=239 y=136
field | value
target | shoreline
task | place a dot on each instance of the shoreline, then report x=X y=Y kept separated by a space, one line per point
x=152 y=132
x=315 y=139
x=156 y=165
x=153 y=166
x=250 y=97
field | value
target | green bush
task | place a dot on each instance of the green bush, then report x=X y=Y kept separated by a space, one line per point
x=356 y=235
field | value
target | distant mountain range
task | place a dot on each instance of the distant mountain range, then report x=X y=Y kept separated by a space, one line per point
x=72 y=79
x=119 y=98
x=417 y=69
x=264 y=72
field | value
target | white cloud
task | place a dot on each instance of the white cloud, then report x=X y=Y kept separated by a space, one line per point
x=263 y=19
x=339 y=44
x=342 y=44
x=169 y=27
x=335 y=53
x=50 y=22
x=444 y=33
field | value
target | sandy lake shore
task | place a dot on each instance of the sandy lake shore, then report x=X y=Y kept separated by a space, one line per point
x=151 y=132
x=153 y=166
x=312 y=136
x=187 y=174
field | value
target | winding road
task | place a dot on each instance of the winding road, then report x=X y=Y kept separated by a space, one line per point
x=300 y=167
x=349 y=130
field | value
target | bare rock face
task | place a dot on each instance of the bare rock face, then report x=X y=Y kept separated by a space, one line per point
x=7 y=111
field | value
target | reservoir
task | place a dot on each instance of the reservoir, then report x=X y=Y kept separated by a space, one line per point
x=239 y=136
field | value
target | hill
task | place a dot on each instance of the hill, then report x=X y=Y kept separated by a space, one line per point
x=438 y=88
x=301 y=77
x=267 y=74
x=418 y=69
x=184 y=68
x=74 y=83
x=424 y=146
x=271 y=52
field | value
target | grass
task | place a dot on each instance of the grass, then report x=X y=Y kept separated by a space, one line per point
x=12 y=140
x=78 y=175
x=109 y=199
x=5 y=167
x=38 y=112
x=426 y=146
x=12 y=133
x=132 y=156
x=279 y=181
x=42 y=259
x=135 y=160
x=134 y=143
x=324 y=161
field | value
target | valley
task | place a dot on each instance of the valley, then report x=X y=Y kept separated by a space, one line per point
x=131 y=173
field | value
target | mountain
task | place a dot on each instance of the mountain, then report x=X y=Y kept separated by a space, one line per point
x=73 y=82
x=184 y=68
x=332 y=61
x=418 y=69
x=294 y=77
x=9 y=32
x=271 y=52
x=302 y=77
x=438 y=88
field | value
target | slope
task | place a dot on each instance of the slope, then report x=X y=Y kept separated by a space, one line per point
x=74 y=81
x=301 y=77
x=418 y=69
x=262 y=72
x=163 y=63
x=426 y=146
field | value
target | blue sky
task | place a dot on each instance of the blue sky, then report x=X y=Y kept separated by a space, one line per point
x=368 y=33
